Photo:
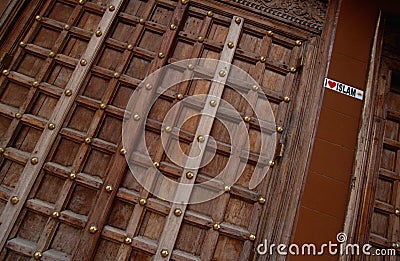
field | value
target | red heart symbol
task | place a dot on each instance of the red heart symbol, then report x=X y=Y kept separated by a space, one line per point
x=331 y=84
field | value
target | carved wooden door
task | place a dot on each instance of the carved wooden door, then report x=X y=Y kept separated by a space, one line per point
x=381 y=216
x=66 y=191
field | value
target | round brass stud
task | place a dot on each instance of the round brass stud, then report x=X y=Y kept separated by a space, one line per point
x=37 y=255
x=93 y=229
x=222 y=73
x=129 y=47
x=81 y=2
x=270 y=33
x=136 y=117
x=35 y=84
x=6 y=72
x=286 y=99
x=252 y=237
x=2 y=150
x=148 y=86
x=184 y=2
x=263 y=59
x=279 y=129
x=14 y=200
x=116 y=75
x=109 y=188
x=67 y=27
x=98 y=33
x=179 y=96
x=189 y=175
x=168 y=129
x=22 y=44
x=261 y=200
x=172 y=26
x=200 y=39
x=122 y=151
x=201 y=138
x=68 y=92
x=227 y=188
x=190 y=66
x=216 y=226
x=238 y=20
x=55 y=214
x=18 y=115
x=396 y=244
x=156 y=164
x=88 y=140
x=247 y=118
x=271 y=163
x=293 y=69
x=142 y=201
x=177 y=212
x=298 y=42
x=34 y=160
x=51 y=126
x=254 y=88
x=128 y=240
x=213 y=103
x=38 y=18
x=161 y=55
x=83 y=62
x=141 y=21
x=103 y=106
x=230 y=45
x=210 y=13
x=397 y=212
x=52 y=54
x=164 y=252
x=72 y=176
x=111 y=8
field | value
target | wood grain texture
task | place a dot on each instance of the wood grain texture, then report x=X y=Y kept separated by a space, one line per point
x=42 y=147
x=74 y=173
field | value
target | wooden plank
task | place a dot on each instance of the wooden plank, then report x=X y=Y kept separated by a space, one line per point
x=173 y=222
x=42 y=148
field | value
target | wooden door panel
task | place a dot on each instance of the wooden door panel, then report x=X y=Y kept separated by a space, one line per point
x=76 y=200
x=383 y=229
x=83 y=201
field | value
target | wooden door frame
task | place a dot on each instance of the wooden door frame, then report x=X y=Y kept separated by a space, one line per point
x=363 y=178
x=293 y=175
x=280 y=226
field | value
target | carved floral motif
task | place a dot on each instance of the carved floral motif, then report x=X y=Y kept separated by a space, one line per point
x=310 y=13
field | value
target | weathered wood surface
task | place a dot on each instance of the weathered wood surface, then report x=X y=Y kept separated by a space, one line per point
x=67 y=193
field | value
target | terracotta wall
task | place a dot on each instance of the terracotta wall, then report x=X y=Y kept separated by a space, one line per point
x=324 y=201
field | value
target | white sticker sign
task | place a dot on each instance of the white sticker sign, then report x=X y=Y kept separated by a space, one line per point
x=344 y=89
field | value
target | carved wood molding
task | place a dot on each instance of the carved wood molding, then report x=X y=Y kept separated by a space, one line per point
x=309 y=13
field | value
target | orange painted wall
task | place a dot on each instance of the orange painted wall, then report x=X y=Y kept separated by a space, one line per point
x=324 y=201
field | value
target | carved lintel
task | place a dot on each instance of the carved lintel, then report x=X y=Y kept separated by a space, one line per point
x=309 y=13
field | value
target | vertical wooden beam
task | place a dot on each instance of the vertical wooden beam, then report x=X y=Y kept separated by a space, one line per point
x=173 y=221
x=360 y=178
x=124 y=251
